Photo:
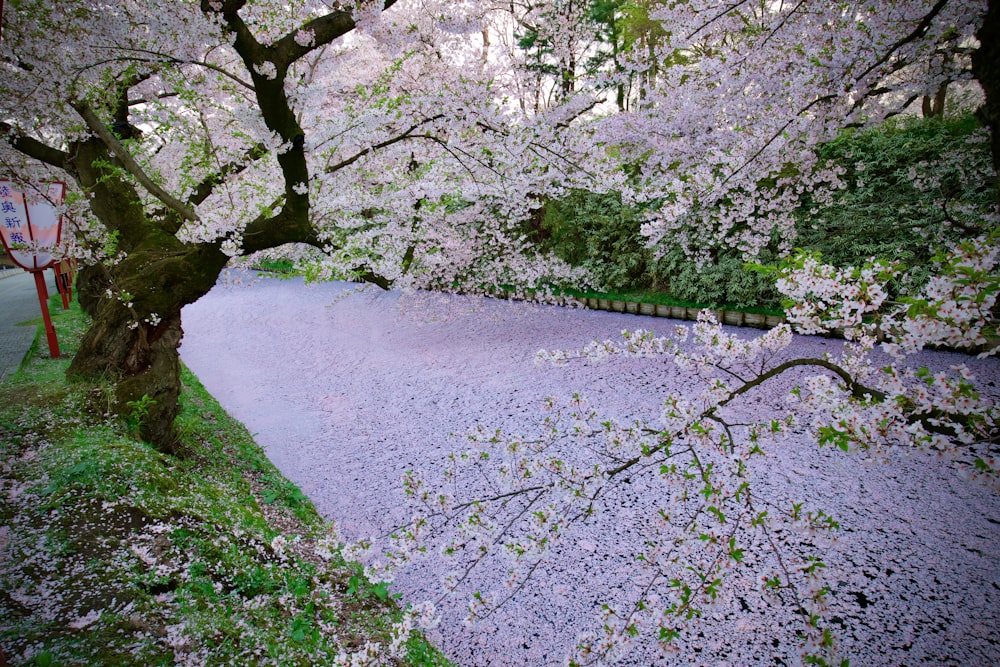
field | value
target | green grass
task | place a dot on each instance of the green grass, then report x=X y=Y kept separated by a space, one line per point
x=112 y=553
x=280 y=267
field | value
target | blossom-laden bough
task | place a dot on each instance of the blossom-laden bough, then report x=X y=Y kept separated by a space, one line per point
x=517 y=499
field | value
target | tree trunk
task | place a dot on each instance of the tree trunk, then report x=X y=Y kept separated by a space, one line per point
x=986 y=69
x=933 y=107
x=136 y=303
x=135 y=334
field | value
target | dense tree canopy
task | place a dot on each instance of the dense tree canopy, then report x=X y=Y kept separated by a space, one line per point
x=221 y=129
x=407 y=141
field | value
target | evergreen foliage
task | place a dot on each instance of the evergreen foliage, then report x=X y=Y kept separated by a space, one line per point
x=599 y=233
x=912 y=184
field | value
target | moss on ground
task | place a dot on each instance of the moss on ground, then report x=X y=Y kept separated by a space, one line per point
x=112 y=553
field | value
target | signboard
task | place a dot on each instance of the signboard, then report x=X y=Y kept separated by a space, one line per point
x=29 y=225
x=30 y=229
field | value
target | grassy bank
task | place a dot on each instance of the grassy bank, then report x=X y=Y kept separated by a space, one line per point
x=114 y=554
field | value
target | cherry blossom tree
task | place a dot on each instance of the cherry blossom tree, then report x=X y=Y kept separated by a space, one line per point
x=395 y=144
x=218 y=129
x=725 y=149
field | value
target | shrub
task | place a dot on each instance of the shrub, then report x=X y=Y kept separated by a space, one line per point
x=911 y=185
x=599 y=233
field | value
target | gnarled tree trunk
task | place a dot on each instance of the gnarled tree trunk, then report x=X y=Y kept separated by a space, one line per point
x=136 y=303
x=135 y=346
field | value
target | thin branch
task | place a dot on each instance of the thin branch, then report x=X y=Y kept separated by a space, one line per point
x=407 y=134
x=204 y=189
x=500 y=535
x=857 y=389
x=136 y=101
x=167 y=58
x=778 y=133
x=715 y=18
x=503 y=496
x=517 y=589
x=784 y=20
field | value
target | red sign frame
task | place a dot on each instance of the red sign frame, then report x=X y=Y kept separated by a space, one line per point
x=43 y=238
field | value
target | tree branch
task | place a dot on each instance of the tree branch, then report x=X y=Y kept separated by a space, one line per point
x=858 y=390
x=715 y=18
x=325 y=29
x=119 y=151
x=775 y=135
x=167 y=58
x=207 y=186
x=34 y=148
x=407 y=134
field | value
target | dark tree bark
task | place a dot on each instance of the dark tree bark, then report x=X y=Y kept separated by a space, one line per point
x=133 y=341
x=933 y=107
x=986 y=69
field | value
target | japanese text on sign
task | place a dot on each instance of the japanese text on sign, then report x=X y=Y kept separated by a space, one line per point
x=30 y=226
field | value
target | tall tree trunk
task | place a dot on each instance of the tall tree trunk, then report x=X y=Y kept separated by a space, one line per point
x=986 y=69
x=136 y=303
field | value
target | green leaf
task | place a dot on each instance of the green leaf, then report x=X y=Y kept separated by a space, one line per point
x=831 y=435
x=381 y=590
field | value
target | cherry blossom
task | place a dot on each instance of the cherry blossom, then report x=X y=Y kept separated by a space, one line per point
x=406 y=143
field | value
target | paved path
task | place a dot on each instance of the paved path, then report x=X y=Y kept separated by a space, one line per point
x=19 y=316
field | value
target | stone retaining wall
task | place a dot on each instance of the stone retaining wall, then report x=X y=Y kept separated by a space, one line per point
x=733 y=317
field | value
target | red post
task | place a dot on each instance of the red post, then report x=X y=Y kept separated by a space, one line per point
x=43 y=298
x=60 y=285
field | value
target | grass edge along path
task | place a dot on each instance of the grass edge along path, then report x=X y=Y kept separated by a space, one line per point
x=114 y=554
